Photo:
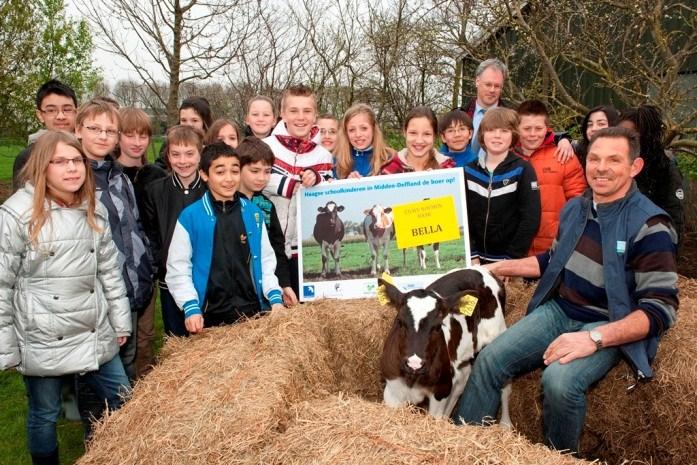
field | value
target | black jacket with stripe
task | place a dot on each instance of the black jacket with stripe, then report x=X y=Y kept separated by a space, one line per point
x=503 y=208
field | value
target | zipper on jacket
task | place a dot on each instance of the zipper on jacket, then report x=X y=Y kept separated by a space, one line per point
x=488 y=206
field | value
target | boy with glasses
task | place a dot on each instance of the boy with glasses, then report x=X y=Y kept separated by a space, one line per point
x=56 y=105
x=455 y=128
x=98 y=127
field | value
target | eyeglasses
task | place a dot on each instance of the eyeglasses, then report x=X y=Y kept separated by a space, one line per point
x=331 y=132
x=456 y=130
x=53 y=111
x=97 y=131
x=63 y=162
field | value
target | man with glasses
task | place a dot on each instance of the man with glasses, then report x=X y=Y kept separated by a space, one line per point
x=490 y=78
x=56 y=106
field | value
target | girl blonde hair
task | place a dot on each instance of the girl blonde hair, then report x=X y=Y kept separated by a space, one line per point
x=34 y=172
x=342 y=152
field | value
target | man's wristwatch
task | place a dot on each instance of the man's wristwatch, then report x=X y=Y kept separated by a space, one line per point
x=597 y=338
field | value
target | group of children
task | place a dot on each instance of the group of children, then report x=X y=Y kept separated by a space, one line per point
x=93 y=227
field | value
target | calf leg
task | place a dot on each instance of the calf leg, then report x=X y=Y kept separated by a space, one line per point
x=459 y=382
x=386 y=256
x=438 y=408
x=336 y=255
x=325 y=257
x=373 y=260
x=422 y=256
x=436 y=254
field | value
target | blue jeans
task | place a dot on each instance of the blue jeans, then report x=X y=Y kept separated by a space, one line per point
x=172 y=315
x=519 y=350
x=44 y=395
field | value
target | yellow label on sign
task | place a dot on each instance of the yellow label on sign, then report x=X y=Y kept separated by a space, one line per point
x=467 y=304
x=426 y=222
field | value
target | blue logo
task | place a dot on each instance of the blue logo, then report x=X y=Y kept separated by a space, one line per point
x=308 y=290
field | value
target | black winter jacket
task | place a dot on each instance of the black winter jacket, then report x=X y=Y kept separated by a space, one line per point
x=503 y=208
x=163 y=201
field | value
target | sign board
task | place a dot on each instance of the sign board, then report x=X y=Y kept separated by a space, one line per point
x=352 y=230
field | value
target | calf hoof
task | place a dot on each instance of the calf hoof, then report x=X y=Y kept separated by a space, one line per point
x=323 y=275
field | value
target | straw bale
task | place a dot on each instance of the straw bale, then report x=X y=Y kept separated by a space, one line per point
x=656 y=422
x=219 y=397
x=250 y=392
x=348 y=430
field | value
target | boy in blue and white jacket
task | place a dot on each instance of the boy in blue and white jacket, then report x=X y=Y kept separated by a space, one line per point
x=221 y=266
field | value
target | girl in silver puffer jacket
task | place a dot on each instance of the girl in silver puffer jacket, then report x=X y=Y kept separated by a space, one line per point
x=63 y=304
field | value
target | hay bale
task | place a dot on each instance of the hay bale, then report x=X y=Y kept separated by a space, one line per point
x=656 y=422
x=349 y=430
x=219 y=397
x=241 y=393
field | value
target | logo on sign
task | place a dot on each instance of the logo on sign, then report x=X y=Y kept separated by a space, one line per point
x=308 y=291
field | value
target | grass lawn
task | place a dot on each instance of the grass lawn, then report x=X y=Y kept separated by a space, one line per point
x=13 y=401
x=356 y=260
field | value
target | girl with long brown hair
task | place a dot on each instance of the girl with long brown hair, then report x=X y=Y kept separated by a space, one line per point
x=63 y=304
x=360 y=150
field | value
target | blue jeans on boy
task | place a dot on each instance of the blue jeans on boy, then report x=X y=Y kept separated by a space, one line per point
x=172 y=315
x=519 y=350
x=44 y=395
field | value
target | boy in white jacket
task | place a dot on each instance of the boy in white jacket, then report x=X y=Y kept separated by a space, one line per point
x=300 y=160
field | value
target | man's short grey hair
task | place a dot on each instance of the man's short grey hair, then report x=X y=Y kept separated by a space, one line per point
x=492 y=63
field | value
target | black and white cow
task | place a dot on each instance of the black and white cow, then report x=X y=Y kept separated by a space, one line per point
x=378 y=228
x=329 y=232
x=429 y=351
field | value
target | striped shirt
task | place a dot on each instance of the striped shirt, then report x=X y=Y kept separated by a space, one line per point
x=651 y=257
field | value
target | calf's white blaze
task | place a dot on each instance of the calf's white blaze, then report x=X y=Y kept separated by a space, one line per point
x=419 y=307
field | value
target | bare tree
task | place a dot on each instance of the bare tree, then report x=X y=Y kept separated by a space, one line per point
x=270 y=58
x=629 y=52
x=174 y=40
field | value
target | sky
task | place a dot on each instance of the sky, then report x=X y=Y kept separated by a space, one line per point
x=114 y=68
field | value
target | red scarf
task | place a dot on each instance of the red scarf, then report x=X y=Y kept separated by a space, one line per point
x=299 y=145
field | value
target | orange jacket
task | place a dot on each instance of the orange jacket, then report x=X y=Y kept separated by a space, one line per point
x=558 y=183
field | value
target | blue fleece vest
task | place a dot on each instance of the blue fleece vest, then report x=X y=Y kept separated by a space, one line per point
x=620 y=222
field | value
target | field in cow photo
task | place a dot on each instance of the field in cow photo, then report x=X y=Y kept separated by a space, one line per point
x=356 y=260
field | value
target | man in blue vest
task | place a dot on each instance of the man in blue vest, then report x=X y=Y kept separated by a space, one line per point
x=607 y=292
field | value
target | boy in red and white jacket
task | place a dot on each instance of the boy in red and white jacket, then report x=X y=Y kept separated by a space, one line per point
x=300 y=160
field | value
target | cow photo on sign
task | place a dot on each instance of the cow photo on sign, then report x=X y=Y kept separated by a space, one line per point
x=412 y=226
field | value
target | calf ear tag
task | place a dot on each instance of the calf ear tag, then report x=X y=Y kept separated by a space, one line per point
x=468 y=304
x=382 y=292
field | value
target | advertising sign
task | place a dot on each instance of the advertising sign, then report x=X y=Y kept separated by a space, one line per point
x=412 y=226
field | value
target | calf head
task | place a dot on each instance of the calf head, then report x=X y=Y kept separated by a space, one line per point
x=332 y=211
x=416 y=346
x=382 y=219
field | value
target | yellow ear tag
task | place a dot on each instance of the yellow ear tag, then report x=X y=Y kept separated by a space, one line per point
x=468 y=304
x=382 y=292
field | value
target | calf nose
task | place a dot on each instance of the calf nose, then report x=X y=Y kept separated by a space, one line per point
x=415 y=363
